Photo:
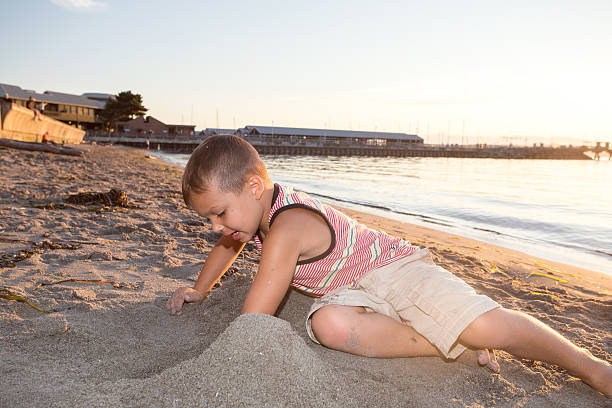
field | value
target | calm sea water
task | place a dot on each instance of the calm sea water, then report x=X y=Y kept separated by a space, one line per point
x=559 y=210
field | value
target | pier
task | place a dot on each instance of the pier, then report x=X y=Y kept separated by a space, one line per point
x=599 y=149
x=477 y=151
x=284 y=147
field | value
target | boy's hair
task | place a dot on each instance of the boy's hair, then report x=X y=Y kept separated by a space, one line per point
x=226 y=161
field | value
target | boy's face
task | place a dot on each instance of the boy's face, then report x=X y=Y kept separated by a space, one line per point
x=237 y=215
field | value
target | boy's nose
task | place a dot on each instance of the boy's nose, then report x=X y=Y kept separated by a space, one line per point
x=217 y=227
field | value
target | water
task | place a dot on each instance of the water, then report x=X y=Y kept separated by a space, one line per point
x=554 y=209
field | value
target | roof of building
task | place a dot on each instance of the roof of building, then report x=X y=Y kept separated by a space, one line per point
x=331 y=133
x=148 y=119
x=15 y=92
x=182 y=126
x=139 y=120
x=219 y=131
x=97 y=96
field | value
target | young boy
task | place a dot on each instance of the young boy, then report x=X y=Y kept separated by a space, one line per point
x=377 y=296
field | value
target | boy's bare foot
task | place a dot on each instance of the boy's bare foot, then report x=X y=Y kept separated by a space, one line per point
x=599 y=376
x=487 y=358
x=484 y=358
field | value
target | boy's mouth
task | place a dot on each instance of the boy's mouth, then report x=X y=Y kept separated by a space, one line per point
x=236 y=235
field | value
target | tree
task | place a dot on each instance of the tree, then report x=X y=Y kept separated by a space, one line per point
x=124 y=106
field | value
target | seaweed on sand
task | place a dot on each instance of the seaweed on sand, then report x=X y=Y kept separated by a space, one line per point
x=117 y=285
x=114 y=197
x=7 y=294
x=10 y=260
x=91 y=201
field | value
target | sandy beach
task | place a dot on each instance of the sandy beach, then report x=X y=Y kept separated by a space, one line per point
x=99 y=269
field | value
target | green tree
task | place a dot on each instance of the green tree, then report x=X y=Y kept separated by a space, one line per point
x=124 y=106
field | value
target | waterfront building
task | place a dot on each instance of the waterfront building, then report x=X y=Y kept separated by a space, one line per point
x=322 y=137
x=216 y=131
x=141 y=126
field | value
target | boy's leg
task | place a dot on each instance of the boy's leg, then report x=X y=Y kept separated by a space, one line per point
x=527 y=337
x=353 y=330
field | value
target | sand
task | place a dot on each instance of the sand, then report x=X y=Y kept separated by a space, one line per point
x=110 y=341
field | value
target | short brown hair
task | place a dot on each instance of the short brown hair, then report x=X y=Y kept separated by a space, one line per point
x=228 y=161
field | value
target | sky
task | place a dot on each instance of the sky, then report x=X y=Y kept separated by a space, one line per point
x=449 y=71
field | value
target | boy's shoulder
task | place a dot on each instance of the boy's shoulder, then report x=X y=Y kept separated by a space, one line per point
x=303 y=228
x=296 y=219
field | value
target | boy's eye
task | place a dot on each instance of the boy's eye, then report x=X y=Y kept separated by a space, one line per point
x=221 y=213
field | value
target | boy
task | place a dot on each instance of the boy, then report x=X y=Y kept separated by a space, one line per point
x=377 y=295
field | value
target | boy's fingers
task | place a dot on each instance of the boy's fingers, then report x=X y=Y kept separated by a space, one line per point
x=173 y=305
x=179 y=297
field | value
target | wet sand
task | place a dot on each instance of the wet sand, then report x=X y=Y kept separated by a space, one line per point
x=104 y=273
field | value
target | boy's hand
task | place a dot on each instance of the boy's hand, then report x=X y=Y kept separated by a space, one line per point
x=180 y=296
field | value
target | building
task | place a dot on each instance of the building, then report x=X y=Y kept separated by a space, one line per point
x=149 y=125
x=215 y=131
x=329 y=137
x=80 y=111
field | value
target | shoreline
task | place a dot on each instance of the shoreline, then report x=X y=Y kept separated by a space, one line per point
x=464 y=232
x=514 y=263
x=104 y=272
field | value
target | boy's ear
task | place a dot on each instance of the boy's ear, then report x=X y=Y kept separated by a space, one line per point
x=256 y=186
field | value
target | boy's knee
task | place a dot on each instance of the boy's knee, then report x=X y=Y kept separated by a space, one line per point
x=332 y=326
x=489 y=330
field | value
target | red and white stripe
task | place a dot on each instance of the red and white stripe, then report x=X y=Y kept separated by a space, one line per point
x=358 y=248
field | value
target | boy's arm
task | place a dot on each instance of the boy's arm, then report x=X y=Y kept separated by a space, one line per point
x=217 y=263
x=279 y=256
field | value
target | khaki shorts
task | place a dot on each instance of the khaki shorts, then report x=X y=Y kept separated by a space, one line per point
x=417 y=292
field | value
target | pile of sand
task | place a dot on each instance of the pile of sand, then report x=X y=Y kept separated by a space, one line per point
x=258 y=360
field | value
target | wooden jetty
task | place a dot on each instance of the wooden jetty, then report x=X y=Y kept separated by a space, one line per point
x=599 y=149
x=186 y=145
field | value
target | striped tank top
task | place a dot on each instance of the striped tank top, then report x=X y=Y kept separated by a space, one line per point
x=355 y=249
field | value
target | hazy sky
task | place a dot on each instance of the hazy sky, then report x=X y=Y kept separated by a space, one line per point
x=483 y=69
